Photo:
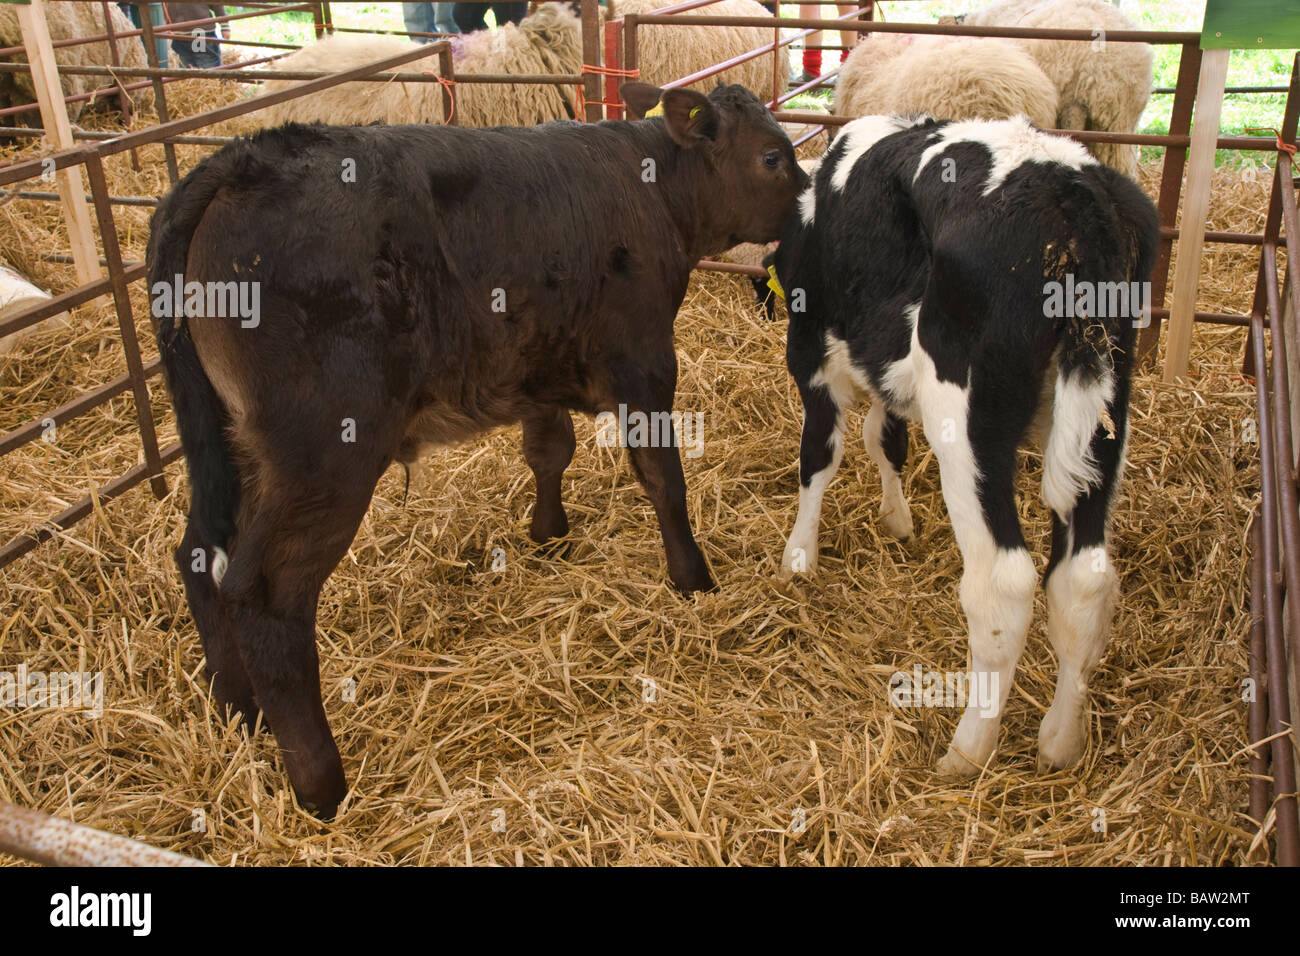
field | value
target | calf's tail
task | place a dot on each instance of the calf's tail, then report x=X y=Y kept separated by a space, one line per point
x=201 y=416
x=1096 y=354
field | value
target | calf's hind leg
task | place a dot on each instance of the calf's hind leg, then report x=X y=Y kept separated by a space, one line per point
x=821 y=447
x=1082 y=590
x=230 y=684
x=289 y=541
x=976 y=469
x=885 y=436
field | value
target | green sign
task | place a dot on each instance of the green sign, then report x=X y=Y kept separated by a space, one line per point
x=1251 y=25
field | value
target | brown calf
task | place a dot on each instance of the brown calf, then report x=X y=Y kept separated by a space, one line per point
x=415 y=286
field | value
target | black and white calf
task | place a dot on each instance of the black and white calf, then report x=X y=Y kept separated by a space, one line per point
x=927 y=267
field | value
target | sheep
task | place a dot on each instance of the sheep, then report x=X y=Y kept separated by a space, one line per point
x=959 y=78
x=548 y=41
x=1102 y=86
x=667 y=53
x=68 y=21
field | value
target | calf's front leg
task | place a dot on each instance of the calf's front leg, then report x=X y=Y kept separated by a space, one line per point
x=647 y=386
x=548 y=447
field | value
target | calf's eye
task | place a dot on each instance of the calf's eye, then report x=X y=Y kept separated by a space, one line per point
x=772 y=159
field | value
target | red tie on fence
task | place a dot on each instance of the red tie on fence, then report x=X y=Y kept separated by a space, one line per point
x=1284 y=147
x=583 y=102
x=447 y=85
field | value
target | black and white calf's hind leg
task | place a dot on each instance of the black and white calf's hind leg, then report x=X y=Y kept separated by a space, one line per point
x=885 y=435
x=1082 y=584
x=974 y=435
x=821 y=448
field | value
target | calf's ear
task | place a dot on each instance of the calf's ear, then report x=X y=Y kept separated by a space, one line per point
x=690 y=117
x=640 y=98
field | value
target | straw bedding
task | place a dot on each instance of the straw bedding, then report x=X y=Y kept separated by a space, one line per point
x=505 y=716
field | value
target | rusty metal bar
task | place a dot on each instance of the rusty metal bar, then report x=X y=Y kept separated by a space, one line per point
x=231 y=110
x=54 y=197
x=62 y=303
x=1165 y=37
x=127 y=34
x=25 y=434
x=1259 y=144
x=126 y=323
x=590 y=92
x=257 y=76
x=169 y=76
x=56 y=842
x=1278 y=716
x=1257 y=709
x=159 y=96
x=35 y=132
x=447 y=66
x=1281 y=183
x=614 y=61
x=20 y=544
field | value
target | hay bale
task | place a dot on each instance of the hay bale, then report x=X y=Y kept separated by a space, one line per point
x=665 y=54
x=945 y=77
x=68 y=21
x=1102 y=86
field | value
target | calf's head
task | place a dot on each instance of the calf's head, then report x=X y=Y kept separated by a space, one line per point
x=749 y=176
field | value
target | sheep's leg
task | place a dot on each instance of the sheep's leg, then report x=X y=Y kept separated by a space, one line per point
x=885 y=436
x=548 y=447
x=821 y=447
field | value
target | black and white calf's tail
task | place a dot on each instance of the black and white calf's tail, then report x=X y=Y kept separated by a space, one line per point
x=1083 y=463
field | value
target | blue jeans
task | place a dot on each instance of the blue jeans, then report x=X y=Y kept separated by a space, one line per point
x=207 y=56
x=428 y=18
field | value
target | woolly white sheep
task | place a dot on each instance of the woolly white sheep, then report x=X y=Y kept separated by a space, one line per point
x=945 y=77
x=1102 y=85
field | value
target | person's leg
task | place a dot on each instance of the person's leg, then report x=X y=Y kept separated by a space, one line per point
x=443 y=21
x=812 y=59
x=509 y=12
x=417 y=18
x=848 y=38
x=159 y=21
x=469 y=16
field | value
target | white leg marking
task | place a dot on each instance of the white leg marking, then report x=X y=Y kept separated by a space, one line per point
x=895 y=513
x=1069 y=469
x=997 y=585
x=800 y=555
x=220 y=562
x=1081 y=597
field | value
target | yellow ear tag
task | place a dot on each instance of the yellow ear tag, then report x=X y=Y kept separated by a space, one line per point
x=694 y=110
x=774 y=283
x=657 y=111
